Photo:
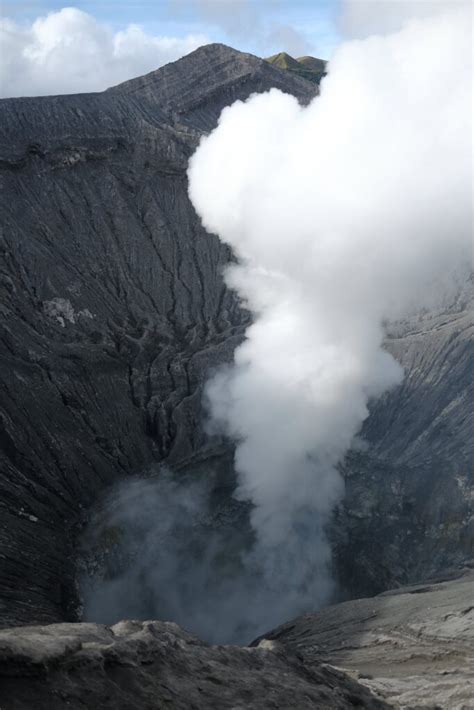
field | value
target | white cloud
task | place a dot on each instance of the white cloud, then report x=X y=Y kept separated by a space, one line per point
x=70 y=51
x=362 y=18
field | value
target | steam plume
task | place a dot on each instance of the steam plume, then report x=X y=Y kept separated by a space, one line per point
x=342 y=215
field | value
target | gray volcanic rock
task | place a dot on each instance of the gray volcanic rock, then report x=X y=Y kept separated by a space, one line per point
x=196 y=88
x=413 y=646
x=149 y=665
x=113 y=307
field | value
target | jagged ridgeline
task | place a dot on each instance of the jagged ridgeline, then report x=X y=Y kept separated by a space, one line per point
x=307 y=67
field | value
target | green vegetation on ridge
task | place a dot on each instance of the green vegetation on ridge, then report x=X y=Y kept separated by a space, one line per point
x=310 y=68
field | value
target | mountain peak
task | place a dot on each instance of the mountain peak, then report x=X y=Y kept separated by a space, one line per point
x=282 y=60
x=198 y=86
x=307 y=67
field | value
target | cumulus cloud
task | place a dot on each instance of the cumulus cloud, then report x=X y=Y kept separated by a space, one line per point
x=342 y=215
x=69 y=51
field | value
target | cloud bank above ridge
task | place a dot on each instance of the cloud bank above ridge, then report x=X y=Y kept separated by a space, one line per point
x=69 y=52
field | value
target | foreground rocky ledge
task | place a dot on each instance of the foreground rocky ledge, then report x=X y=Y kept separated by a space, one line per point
x=152 y=664
x=409 y=648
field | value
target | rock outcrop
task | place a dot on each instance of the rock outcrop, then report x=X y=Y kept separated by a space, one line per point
x=151 y=664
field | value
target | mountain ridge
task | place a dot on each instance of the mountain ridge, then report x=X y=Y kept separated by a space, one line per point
x=307 y=67
x=181 y=87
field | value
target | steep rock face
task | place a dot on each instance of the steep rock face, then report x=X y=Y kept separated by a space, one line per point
x=413 y=646
x=113 y=304
x=408 y=509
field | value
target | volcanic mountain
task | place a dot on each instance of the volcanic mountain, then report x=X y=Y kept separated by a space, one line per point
x=114 y=312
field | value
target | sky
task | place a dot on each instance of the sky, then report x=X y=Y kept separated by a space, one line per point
x=48 y=47
x=257 y=24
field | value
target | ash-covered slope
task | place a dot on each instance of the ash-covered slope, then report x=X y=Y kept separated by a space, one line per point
x=113 y=304
x=412 y=646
